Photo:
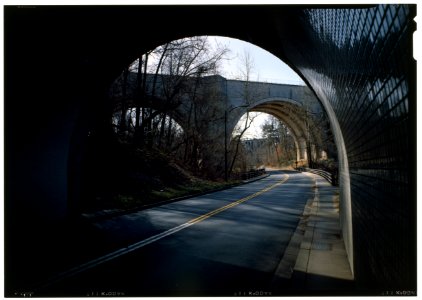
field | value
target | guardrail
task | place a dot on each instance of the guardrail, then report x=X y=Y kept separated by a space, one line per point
x=248 y=175
x=331 y=177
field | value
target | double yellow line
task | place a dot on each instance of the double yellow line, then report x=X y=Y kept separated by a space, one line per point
x=100 y=260
x=233 y=204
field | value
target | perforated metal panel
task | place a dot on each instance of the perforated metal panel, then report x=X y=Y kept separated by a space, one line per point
x=361 y=60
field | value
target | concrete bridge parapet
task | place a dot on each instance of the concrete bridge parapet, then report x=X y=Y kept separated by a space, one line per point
x=225 y=101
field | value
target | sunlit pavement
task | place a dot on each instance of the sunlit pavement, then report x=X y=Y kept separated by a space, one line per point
x=228 y=243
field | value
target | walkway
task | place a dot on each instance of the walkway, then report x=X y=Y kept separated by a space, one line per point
x=316 y=253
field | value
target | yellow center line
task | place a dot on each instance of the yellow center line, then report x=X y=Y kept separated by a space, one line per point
x=233 y=204
x=100 y=260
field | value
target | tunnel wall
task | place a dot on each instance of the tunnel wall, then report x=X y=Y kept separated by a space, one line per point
x=360 y=61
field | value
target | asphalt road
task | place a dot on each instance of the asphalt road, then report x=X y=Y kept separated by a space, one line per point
x=227 y=243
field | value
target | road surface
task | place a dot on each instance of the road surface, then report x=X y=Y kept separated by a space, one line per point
x=227 y=243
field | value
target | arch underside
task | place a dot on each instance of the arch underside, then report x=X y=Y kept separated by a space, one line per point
x=301 y=125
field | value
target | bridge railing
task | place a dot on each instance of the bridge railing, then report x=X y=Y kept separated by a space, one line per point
x=330 y=176
x=248 y=174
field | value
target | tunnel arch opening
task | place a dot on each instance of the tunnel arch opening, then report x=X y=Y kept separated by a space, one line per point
x=339 y=148
x=338 y=139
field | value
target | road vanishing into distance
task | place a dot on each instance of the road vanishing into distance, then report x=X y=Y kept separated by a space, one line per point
x=226 y=243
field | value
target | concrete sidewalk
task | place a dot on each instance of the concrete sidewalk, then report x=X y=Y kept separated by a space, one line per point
x=315 y=261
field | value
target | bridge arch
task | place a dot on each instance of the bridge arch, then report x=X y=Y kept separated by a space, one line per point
x=302 y=126
x=299 y=120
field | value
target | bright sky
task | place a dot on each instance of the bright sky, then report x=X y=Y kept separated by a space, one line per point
x=255 y=130
x=267 y=67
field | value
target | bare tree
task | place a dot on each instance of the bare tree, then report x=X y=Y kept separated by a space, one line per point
x=169 y=72
x=248 y=94
x=182 y=64
x=279 y=140
x=240 y=131
x=203 y=114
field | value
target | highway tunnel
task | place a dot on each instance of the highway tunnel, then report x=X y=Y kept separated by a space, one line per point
x=61 y=60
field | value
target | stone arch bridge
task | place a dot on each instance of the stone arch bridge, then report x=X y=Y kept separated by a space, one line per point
x=295 y=105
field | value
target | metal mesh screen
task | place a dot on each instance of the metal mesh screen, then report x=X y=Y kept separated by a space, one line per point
x=361 y=60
